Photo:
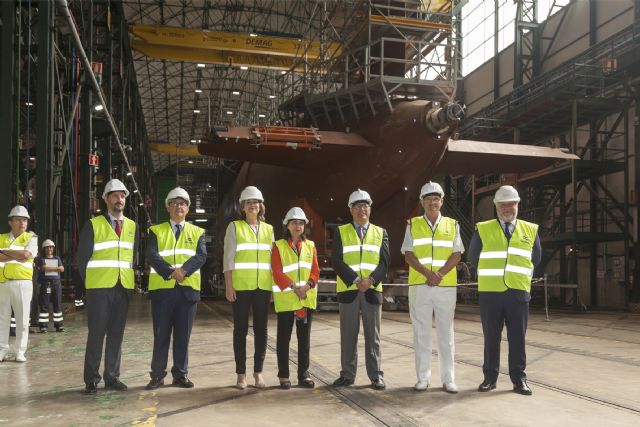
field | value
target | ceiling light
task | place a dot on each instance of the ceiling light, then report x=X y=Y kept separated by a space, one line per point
x=405 y=188
x=201 y=220
x=198 y=90
x=98 y=210
x=253 y=35
x=199 y=141
x=135 y=191
x=272 y=96
x=140 y=204
x=193 y=141
x=98 y=107
x=29 y=104
x=244 y=67
x=32 y=158
x=235 y=92
x=190 y=162
x=262 y=116
x=201 y=65
x=283 y=72
x=129 y=174
x=229 y=112
x=196 y=111
x=198 y=210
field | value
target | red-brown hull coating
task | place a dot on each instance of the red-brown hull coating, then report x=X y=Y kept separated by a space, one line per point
x=403 y=155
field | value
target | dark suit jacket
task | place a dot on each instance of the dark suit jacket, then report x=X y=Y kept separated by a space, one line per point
x=348 y=276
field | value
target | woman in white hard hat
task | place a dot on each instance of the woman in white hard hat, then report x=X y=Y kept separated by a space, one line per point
x=294 y=263
x=248 y=280
x=49 y=268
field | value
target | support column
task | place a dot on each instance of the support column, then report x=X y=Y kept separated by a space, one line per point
x=7 y=106
x=44 y=113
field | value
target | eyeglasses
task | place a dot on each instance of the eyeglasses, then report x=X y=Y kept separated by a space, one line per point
x=360 y=206
x=177 y=204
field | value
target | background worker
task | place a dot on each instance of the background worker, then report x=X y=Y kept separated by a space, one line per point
x=294 y=262
x=248 y=281
x=360 y=257
x=505 y=251
x=105 y=263
x=50 y=288
x=17 y=250
x=432 y=247
x=176 y=251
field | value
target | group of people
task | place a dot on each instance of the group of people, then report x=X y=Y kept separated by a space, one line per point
x=504 y=251
x=18 y=259
x=257 y=266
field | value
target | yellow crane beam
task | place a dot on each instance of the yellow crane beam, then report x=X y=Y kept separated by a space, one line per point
x=231 y=42
x=205 y=56
x=181 y=150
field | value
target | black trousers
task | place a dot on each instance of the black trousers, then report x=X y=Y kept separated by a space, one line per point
x=258 y=302
x=510 y=308
x=172 y=313
x=50 y=292
x=286 y=319
x=106 y=316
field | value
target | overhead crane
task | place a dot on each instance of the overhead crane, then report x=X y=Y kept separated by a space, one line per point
x=226 y=48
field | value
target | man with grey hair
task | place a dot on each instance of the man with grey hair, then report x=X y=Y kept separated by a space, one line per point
x=505 y=252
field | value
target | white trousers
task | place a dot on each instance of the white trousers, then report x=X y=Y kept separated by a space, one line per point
x=424 y=301
x=16 y=294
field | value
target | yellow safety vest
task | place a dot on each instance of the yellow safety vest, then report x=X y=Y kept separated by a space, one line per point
x=433 y=249
x=112 y=256
x=252 y=262
x=503 y=265
x=13 y=269
x=363 y=257
x=298 y=268
x=175 y=253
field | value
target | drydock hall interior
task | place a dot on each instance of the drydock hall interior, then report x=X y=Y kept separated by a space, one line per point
x=320 y=212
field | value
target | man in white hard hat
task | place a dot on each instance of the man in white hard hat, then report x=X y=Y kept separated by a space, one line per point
x=505 y=252
x=176 y=251
x=432 y=247
x=106 y=250
x=17 y=250
x=360 y=257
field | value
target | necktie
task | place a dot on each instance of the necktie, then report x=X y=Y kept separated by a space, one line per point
x=361 y=233
x=178 y=231
x=118 y=230
x=507 y=230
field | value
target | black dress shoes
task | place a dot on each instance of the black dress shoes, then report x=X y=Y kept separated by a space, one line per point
x=155 y=383
x=486 y=386
x=91 y=388
x=343 y=382
x=306 y=383
x=378 y=384
x=115 y=384
x=522 y=388
x=182 y=382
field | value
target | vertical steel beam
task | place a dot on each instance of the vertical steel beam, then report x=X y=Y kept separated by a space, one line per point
x=496 y=45
x=527 y=43
x=44 y=112
x=635 y=295
x=7 y=106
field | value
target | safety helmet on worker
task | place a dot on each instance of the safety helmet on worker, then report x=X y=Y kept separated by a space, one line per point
x=251 y=193
x=114 y=185
x=20 y=211
x=47 y=243
x=359 y=196
x=431 y=188
x=177 y=193
x=295 y=213
x=505 y=194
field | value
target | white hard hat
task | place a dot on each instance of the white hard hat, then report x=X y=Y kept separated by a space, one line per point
x=48 y=243
x=359 y=196
x=431 y=188
x=176 y=193
x=506 y=193
x=251 y=193
x=114 y=185
x=295 y=213
x=19 y=211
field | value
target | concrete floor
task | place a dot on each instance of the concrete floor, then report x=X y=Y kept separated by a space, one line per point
x=584 y=369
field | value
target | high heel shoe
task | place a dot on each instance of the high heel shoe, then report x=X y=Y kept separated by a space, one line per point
x=241 y=382
x=259 y=380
